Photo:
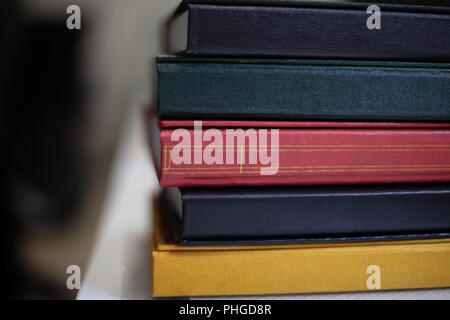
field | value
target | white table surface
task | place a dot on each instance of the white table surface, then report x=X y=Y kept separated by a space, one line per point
x=119 y=265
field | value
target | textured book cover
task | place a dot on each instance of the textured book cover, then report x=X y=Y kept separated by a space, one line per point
x=203 y=156
x=283 y=269
x=309 y=29
x=323 y=214
x=262 y=89
x=298 y=124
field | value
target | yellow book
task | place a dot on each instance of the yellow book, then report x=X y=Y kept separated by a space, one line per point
x=287 y=269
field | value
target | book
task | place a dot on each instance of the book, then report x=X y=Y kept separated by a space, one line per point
x=293 y=28
x=297 y=124
x=239 y=156
x=302 y=268
x=318 y=214
x=270 y=89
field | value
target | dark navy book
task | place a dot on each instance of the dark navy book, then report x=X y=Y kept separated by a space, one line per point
x=311 y=29
x=315 y=214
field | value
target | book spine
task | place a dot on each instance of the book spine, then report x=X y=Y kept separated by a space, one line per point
x=256 y=91
x=314 y=214
x=304 y=157
x=305 y=270
x=308 y=32
x=303 y=124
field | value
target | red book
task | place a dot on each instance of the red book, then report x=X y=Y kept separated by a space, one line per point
x=298 y=153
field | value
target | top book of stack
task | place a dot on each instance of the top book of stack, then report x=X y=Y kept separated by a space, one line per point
x=292 y=28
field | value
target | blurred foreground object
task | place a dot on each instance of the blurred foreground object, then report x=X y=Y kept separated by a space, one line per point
x=42 y=109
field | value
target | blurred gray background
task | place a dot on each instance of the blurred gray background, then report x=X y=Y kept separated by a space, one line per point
x=64 y=96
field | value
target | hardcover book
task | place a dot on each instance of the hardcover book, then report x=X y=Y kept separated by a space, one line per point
x=302 y=155
x=295 y=28
x=280 y=215
x=253 y=270
x=262 y=89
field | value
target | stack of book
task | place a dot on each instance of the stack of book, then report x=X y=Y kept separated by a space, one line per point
x=302 y=147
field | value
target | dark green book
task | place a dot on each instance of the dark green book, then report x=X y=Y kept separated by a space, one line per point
x=218 y=88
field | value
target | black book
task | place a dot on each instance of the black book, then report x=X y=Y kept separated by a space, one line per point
x=311 y=29
x=267 y=215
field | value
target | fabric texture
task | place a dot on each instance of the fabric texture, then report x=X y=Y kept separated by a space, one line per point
x=302 y=89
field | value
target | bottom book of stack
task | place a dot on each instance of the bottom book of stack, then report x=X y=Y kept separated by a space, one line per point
x=180 y=270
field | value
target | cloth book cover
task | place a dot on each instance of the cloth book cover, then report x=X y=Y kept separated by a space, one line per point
x=283 y=269
x=277 y=215
x=303 y=155
x=264 y=89
x=309 y=29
